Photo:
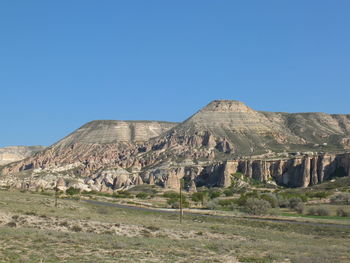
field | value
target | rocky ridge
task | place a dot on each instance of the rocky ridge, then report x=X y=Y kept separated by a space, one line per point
x=16 y=153
x=223 y=138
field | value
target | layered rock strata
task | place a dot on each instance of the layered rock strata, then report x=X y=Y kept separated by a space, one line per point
x=16 y=153
x=223 y=138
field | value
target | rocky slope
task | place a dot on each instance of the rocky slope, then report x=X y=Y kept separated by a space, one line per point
x=266 y=146
x=236 y=128
x=16 y=153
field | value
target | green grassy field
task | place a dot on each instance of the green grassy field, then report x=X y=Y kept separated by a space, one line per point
x=32 y=229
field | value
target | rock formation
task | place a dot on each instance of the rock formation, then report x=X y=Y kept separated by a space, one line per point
x=16 y=153
x=221 y=139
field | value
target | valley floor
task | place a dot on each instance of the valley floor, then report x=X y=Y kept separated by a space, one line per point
x=32 y=229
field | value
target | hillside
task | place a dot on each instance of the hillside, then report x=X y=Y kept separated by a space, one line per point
x=16 y=153
x=288 y=148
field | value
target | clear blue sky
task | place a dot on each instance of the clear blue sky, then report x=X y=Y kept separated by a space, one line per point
x=64 y=63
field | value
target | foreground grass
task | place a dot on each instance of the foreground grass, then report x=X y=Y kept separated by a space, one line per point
x=33 y=230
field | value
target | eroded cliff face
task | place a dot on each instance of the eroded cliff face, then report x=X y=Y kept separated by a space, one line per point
x=16 y=153
x=206 y=149
x=302 y=171
x=96 y=145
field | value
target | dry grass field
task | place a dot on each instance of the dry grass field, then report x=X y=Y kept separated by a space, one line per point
x=32 y=229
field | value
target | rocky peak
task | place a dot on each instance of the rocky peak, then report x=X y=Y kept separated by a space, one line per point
x=227 y=106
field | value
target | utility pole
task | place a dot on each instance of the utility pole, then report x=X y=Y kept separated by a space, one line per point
x=181 y=211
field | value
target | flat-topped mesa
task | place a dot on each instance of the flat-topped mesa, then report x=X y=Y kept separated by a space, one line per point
x=95 y=144
x=15 y=153
x=113 y=131
x=227 y=106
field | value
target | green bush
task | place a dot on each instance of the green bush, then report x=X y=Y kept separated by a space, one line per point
x=245 y=196
x=122 y=194
x=213 y=204
x=200 y=197
x=214 y=194
x=171 y=194
x=256 y=206
x=96 y=193
x=271 y=198
x=318 y=194
x=319 y=211
x=149 y=189
x=294 y=201
x=290 y=194
x=311 y=211
x=227 y=202
x=72 y=191
x=142 y=195
x=282 y=201
x=299 y=208
x=175 y=202
x=322 y=211
x=76 y=228
x=228 y=192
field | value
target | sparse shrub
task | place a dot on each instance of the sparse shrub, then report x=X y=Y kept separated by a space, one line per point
x=64 y=223
x=342 y=212
x=282 y=201
x=11 y=224
x=214 y=204
x=119 y=245
x=322 y=211
x=46 y=193
x=311 y=211
x=256 y=206
x=271 y=198
x=72 y=191
x=76 y=228
x=341 y=199
x=171 y=194
x=299 y=208
x=227 y=202
x=319 y=211
x=153 y=228
x=122 y=194
x=149 y=189
x=294 y=201
x=102 y=210
x=228 y=192
x=96 y=193
x=201 y=197
x=290 y=194
x=214 y=194
x=175 y=202
x=31 y=213
x=318 y=194
x=142 y=195
x=244 y=197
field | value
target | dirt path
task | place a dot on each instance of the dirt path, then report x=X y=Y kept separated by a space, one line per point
x=173 y=211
